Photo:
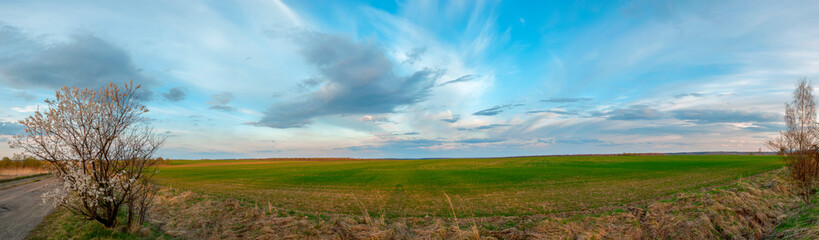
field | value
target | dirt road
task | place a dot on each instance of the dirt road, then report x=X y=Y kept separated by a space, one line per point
x=22 y=207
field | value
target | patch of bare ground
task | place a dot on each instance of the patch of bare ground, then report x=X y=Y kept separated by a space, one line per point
x=746 y=209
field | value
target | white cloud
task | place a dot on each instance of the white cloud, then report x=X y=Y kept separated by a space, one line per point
x=26 y=109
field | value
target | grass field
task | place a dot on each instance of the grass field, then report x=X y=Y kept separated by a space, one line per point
x=476 y=187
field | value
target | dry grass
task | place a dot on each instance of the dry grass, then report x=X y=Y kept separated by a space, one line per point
x=197 y=216
x=6 y=173
x=748 y=209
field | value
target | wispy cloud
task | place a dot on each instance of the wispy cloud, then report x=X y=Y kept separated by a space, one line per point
x=496 y=110
x=566 y=100
x=480 y=140
x=689 y=95
x=485 y=127
x=220 y=102
x=557 y=111
x=175 y=94
x=634 y=112
x=579 y=141
x=26 y=109
x=452 y=119
x=725 y=116
x=415 y=55
x=464 y=78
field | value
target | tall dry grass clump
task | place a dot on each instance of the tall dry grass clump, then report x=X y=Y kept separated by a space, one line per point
x=799 y=144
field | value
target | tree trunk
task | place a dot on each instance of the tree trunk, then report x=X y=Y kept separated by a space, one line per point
x=108 y=222
x=131 y=215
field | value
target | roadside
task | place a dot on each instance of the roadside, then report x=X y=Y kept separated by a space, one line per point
x=21 y=205
x=7 y=183
x=7 y=174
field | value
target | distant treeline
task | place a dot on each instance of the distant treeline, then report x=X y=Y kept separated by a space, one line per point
x=678 y=153
x=654 y=154
x=167 y=162
x=312 y=159
x=22 y=162
x=592 y=155
x=725 y=153
x=297 y=159
x=30 y=162
x=162 y=161
x=641 y=154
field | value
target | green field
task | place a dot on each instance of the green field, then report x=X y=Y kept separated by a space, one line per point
x=476 y=187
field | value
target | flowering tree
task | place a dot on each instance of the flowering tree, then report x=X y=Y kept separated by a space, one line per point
x=101 y=148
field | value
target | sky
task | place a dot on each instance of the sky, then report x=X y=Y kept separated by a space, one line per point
x=421 y=79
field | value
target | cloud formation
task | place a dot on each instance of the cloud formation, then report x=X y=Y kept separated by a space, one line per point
x=479 y=140
x=464 y=78
x=10 y=128
x=667 y=129
x=397 y=145
x=634 y=112
x=579 y=141
x=400 y=145
x=496 y=110
x=415 y=55
x=725 y=116
x=175 y=94
x=700 y=116
x=220 y=102
x=83 y=61
x=557 y=111
x=678 y=96
x=374 y=119
x=453 y=119
x=357 y=78
x=24 y=95
x=566 y=100
x=485 y=127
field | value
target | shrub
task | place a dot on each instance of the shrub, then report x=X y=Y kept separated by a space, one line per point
x=799 y=144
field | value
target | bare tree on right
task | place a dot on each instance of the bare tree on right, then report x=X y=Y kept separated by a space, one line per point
x=799 y=143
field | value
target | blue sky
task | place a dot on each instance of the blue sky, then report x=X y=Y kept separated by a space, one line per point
x=400 y=79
